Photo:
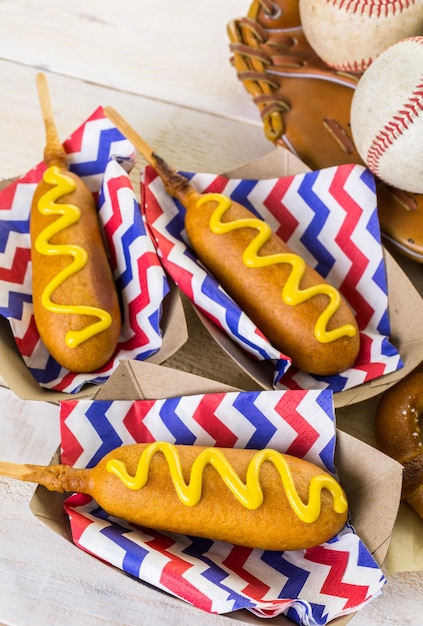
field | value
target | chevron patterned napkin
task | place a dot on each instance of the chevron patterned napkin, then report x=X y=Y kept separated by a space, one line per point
x=329 y=217
x=310 y=587
x=101 y=156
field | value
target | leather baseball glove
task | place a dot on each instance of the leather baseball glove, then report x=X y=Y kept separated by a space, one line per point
x=305 y=107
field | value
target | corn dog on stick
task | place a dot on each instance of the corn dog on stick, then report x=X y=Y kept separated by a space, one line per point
x=257 y=498
x=76 y=306
x=300 y=313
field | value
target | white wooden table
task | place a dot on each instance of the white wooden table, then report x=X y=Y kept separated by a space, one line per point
x=165 y=66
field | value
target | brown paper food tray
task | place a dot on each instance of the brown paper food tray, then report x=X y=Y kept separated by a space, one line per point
x=371 y=480
x=405 y=303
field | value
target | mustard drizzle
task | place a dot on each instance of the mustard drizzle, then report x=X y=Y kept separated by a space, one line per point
x=291 y=292
x=70 y=214
x=249 y=494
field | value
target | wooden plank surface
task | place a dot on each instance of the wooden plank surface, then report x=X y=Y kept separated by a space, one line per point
x=165 y=66
x=187 y=138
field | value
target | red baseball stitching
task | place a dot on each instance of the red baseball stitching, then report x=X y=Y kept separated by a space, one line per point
x=353 y=67
x=373 y=8
x=393 y=129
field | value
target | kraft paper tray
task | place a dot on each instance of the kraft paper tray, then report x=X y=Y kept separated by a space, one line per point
x=372 y=480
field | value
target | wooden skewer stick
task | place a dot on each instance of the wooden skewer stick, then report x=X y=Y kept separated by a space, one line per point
x=14 y=470
x=61 y=478
x=126 y=129
x=175 y=184
x=54 y=153
x=46 y=108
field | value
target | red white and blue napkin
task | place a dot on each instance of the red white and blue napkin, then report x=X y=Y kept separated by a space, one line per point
x=311 y=587
x=101 y=156
x=329 y=217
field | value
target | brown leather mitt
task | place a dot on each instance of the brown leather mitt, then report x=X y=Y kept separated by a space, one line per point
x=305 y=107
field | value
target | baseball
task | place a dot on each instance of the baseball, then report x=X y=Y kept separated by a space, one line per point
x=349 y=34
x=387 y=116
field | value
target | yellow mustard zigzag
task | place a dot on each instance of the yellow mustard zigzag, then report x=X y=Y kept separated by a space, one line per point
x=249 y=494
x=70 y=214
x=291 y=292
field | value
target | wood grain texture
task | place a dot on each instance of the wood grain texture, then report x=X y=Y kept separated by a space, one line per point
x=187 y=139
x=165 y=66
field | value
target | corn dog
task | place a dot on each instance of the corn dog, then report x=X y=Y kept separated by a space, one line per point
x=76 y=307
x=255 y=498
x=295 y=308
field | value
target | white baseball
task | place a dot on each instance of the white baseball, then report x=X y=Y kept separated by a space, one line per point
x=387 y=115
x=349 y=34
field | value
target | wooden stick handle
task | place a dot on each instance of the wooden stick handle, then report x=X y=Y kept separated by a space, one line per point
x=54 y=152
x=140 y=144
x=14 y=470
x=175 y=184
x=59 y=478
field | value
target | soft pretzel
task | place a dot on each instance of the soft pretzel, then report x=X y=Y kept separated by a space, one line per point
x=255 y=498
x=398 y=433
